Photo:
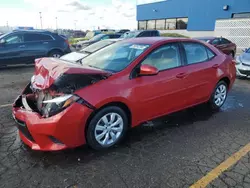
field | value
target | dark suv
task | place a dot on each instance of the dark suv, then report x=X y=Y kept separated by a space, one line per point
x=141 y=33
x=22 y=47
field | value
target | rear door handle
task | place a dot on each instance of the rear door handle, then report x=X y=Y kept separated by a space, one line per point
x=22 y=46
x=181 y=75
x=215 y=66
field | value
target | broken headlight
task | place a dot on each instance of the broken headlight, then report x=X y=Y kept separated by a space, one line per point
x=54 y=106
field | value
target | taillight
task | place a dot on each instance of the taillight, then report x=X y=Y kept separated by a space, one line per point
x=67 y=42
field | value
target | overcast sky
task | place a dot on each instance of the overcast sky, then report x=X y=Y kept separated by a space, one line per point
x=89 y=14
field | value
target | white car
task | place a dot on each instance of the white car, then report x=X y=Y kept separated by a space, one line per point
x=243 y=64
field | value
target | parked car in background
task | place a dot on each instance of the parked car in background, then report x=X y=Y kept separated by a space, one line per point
x=243 y=64
x=67 y=105
x=79 y=55
x=123 y=31
x=82 y=44
x=23 y=46
x=141 y=33
x=221 y=43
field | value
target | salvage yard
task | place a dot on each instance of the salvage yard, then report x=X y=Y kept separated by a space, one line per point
x=178 y=151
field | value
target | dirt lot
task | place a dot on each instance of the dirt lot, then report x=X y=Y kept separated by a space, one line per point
x=178 y=151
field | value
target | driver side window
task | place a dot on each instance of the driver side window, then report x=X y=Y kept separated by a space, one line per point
x=165 y=57
x=13 y=39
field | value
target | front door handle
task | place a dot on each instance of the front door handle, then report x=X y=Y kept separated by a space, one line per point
x=181 y=75
x=215 y=66
x=22 y=46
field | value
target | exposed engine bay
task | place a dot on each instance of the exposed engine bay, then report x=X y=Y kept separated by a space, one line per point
x=50 y=101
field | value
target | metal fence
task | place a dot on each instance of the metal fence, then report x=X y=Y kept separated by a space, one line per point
x=236 y=30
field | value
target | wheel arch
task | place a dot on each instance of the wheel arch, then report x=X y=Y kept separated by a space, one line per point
x=119 y=104
x=225 y=79
x=54 y=49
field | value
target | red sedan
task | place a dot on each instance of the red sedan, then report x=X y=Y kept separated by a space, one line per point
x=223 y=44
x=121 y=86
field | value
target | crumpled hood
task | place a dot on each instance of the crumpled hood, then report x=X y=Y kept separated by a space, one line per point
x=64 y=76
x=245 y=58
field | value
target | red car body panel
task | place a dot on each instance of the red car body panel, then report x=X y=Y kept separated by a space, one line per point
x=146 y=97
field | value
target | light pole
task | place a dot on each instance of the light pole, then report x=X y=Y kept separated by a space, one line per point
x=41 y=20
x=75 y=24
x=56 y=24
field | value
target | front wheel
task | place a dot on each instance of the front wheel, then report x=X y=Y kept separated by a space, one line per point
x=107 y=128
x=219 y=95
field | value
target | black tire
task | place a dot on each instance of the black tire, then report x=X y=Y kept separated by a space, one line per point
x=212 y=103
x=90 y=131
x=55 y=53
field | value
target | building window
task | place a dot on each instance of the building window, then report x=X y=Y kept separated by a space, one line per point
x=164 y=24
x=160 y=24
x=241 y=15
x=151 y=24
x=181 y=23
x=142 y=25
x=170 y=24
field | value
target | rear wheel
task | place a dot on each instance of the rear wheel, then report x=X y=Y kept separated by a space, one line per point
x=55 y=53
x=107 y=128
x=219 y=95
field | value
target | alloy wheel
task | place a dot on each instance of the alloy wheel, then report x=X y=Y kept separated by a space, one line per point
x=220 y=95
x=109 y=129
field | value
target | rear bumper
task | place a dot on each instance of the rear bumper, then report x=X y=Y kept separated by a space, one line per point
x=64 y=130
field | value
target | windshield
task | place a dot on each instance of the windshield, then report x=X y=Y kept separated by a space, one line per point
x=97 y=37
x=115 y=57
x=2 y=36
x=130 y=35
x=97 y=46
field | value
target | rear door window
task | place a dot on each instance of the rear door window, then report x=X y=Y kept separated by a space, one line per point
x=197 y=53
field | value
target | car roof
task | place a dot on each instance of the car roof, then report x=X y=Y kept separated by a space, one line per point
x=206 y=38
x=154 y=40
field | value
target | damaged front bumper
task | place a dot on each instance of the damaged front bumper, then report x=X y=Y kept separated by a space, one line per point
x=63 y=130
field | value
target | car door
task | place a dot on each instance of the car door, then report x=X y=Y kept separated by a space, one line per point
x=201 y=72
x=165 y=92
x=13 y=50
x=37 y=45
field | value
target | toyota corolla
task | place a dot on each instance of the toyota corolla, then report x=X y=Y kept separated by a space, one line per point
x=66 y=105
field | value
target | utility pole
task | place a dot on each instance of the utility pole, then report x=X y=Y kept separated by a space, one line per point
x=7 y=25
x=41 y=20
x=56 y=24
x=75 y=24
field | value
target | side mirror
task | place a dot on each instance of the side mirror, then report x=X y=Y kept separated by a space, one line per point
x=148 y=70
x=2 y=41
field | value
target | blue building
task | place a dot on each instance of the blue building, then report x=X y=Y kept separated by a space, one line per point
x=190 y=15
